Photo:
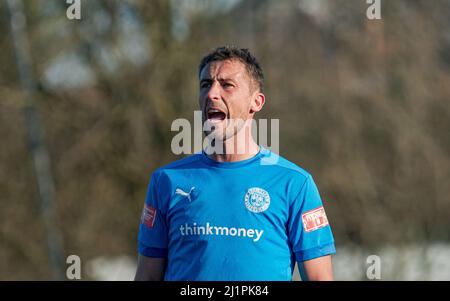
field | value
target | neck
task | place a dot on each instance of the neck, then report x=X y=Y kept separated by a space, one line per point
x=239 y=147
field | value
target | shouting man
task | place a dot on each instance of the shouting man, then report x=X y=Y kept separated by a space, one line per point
x=241 y=213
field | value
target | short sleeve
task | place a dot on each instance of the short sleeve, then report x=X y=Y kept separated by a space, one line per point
x=152 y=238
x=309 y=230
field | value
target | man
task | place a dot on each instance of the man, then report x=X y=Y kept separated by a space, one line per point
x=242 y=213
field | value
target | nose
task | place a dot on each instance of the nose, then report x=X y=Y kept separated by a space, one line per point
x=214 y=91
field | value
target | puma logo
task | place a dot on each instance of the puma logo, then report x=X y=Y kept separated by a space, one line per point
x=183 y=193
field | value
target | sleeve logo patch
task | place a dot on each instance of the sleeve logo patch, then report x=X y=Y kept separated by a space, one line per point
x=314 y=219
x=148 y=216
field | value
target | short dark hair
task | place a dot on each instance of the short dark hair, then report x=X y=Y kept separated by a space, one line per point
x=242 y=54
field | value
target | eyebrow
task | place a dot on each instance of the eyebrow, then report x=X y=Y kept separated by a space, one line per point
x=219 y=79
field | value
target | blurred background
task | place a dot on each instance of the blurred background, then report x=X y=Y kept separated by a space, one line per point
x=86 y=107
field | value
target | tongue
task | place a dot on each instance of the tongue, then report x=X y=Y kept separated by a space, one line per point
x=217 y=116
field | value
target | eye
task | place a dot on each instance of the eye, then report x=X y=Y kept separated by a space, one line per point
x=227 y=85
x=205 y=85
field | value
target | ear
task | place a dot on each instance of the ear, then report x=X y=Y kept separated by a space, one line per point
x=257 y=102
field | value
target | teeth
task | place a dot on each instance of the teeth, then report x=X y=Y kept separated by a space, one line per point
x=213 y=111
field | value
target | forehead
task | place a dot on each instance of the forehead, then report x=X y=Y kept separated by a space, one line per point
x=228 y=69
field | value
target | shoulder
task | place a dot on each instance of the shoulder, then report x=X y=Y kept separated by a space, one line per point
x=280 y=164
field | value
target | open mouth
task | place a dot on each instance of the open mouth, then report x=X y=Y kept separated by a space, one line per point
x=216 y=115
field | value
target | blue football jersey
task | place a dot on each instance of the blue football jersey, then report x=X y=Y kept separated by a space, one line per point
x=247 y=220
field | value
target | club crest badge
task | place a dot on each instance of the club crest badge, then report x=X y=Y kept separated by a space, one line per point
x=257 y=200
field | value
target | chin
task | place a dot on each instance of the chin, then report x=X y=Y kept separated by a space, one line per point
x=218 y=135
